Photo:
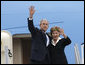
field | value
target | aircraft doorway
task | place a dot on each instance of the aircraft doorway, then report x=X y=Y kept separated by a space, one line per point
x=21 y=48
x=26 y=47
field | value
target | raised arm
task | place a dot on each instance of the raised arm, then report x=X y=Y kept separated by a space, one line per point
x=31 y=11
x=66 y=39
x=62 y=32
x=31 y=27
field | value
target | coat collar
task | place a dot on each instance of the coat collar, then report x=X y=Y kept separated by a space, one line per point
x=54 y=44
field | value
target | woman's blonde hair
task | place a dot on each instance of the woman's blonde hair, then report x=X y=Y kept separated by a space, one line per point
x=54 y=29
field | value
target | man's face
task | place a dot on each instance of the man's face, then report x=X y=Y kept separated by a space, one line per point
x=44 y=25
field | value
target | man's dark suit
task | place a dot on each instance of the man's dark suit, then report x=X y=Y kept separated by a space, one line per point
x=39 y=49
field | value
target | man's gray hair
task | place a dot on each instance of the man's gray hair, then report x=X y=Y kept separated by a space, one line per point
x=43 y=20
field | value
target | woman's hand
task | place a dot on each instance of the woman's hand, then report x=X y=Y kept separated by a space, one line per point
x=61 y=32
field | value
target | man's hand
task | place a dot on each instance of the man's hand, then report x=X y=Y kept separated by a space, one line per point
x=32 y=11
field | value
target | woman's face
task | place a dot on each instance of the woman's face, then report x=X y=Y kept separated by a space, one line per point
x=55 y=34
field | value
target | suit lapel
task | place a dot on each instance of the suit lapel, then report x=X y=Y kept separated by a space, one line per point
x=44 y=39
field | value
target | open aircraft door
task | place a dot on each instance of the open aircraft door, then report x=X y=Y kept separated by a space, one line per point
x=6 y=47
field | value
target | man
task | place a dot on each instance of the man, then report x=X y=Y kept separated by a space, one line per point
x=40 y=40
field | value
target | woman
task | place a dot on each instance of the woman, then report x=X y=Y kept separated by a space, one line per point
x=57 y=46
